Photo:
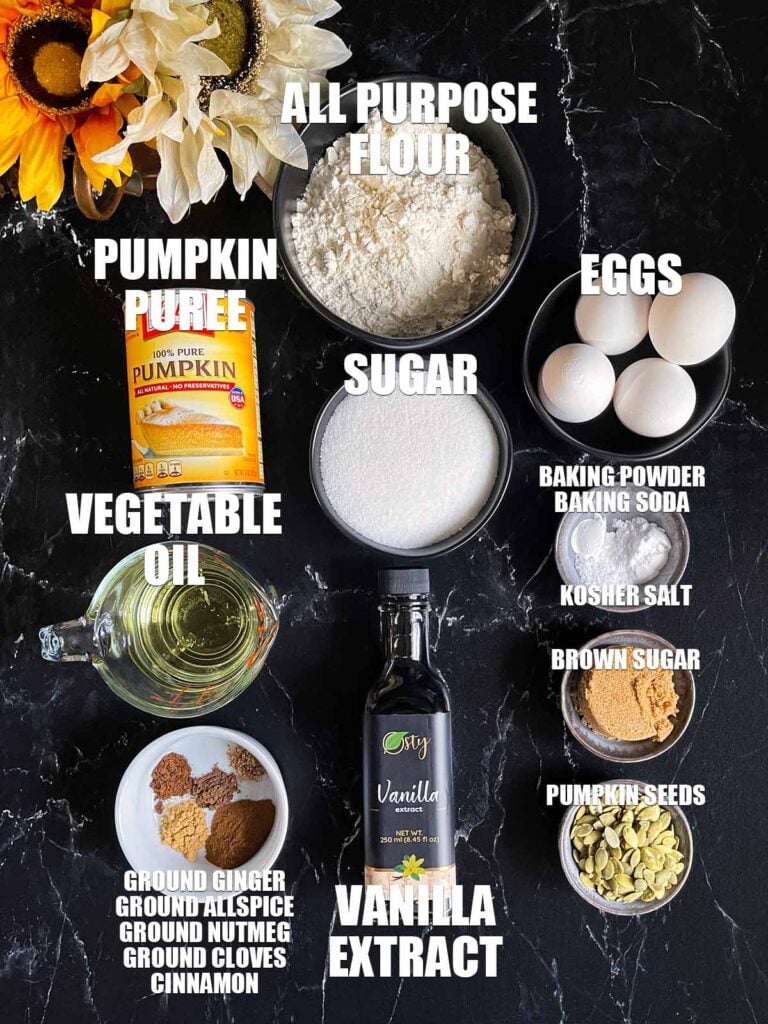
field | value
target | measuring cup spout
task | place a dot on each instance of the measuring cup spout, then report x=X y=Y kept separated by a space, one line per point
x=69 y=641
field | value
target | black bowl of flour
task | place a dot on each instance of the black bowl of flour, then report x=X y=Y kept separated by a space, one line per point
x=516 y=185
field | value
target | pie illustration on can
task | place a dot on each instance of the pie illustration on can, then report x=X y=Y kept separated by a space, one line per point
x=171 y=430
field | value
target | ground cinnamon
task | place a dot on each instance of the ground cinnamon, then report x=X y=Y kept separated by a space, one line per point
x=238 y=831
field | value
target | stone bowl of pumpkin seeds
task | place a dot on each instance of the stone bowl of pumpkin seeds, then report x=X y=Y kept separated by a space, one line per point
x=626 y=858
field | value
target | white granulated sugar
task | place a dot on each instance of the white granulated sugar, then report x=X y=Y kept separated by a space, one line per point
x=408 y=471
x=402 y=255
x=634 y=551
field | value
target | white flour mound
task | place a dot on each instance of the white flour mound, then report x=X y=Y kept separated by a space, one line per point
x=402 y=255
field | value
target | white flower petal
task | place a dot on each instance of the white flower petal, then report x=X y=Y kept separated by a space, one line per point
x=307 y=46
x=240 y=148
x=298 y=11
x=172 y=189
x=105 y=57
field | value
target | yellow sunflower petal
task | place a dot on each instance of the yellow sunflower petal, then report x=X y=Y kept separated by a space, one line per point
x=113 y=7
x=8 y=86
x=16 y=117
x=99 y=21
x=99 y=132
x=41 y=168
x=106 y=94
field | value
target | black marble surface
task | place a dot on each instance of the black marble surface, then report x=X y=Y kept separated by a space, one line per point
x=651 y=137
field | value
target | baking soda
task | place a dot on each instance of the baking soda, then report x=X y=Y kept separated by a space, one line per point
x=633 y=552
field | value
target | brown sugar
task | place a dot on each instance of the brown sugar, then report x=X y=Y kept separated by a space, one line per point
x=238 y=831
x=628 y=704
x=171 y=776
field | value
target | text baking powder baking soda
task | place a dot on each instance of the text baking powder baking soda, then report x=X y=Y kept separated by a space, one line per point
x=193 y=397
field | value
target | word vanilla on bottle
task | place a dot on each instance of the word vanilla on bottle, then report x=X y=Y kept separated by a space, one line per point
x=407 y=758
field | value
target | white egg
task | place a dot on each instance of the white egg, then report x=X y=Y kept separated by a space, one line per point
x=576 y=383
x=654 y=398
x=691 y=326
x=612 y=323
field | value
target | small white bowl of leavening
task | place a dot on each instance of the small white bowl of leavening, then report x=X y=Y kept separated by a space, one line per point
x=630 y=547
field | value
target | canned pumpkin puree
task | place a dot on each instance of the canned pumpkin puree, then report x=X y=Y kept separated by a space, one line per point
x=193 y=398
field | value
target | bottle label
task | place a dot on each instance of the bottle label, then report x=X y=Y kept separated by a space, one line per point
x=408 y=790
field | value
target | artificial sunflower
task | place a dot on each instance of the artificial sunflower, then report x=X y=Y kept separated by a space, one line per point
x=42 y=101
x=214 y=76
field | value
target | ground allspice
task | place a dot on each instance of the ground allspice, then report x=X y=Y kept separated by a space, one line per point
x=171 y=776
x=238 y=831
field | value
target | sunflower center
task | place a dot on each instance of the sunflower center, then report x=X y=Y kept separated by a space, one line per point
x=57 y=68
x=232 y=42
x=241 y=44
x=45 y=51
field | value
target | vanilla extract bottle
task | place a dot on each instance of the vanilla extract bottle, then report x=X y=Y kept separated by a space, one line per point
x=407 y=757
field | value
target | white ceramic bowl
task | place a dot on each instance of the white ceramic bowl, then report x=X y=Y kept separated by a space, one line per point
x=138 y=824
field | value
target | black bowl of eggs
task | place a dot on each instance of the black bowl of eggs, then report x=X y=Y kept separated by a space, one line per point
x=630 y=377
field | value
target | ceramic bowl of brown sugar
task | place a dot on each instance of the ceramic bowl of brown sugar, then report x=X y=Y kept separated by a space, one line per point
x=204 y=798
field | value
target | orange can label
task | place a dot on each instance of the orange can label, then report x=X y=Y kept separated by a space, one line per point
x=194 y=406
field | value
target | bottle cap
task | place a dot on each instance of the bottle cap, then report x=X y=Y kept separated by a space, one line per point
x=403 y=581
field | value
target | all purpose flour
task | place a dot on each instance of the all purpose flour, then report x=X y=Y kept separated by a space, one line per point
x=402 y=255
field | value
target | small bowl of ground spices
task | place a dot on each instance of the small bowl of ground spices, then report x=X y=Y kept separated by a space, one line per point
x=404 y=261
x=629 y=696
x=207 y=797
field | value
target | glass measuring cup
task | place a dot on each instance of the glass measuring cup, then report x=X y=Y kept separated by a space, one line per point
x=174 y=650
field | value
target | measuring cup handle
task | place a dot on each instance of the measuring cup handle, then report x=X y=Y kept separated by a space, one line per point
x=69 y=641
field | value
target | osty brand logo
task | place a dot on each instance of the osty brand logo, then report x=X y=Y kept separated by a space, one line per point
x=397 y=742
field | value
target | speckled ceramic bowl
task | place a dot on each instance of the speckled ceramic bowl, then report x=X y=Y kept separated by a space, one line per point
x=627 y=751
x=672 y=523
x=571 y=870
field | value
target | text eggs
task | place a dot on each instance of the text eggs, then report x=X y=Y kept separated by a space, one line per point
x=654 y=398
x=693 y=325
x=612 y=323
x=576 y=383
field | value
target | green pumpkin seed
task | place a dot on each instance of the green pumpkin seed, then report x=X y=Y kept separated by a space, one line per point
x=629 y=836
x=631 y=897
x=612 y=838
